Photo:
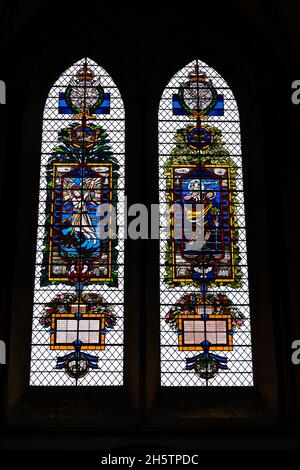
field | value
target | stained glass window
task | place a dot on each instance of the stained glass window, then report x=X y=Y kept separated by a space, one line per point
x=205 y=319
x=77 y=334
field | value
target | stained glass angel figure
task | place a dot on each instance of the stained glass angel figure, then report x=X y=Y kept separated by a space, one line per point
x=82 y=197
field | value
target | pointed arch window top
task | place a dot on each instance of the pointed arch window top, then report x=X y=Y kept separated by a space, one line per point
x=205 y=313
x=77 y=336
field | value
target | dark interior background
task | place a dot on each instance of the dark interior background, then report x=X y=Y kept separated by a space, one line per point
x=254 y=45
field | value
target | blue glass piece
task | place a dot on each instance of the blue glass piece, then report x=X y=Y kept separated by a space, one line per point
x=218 y=110
x=105 y=106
